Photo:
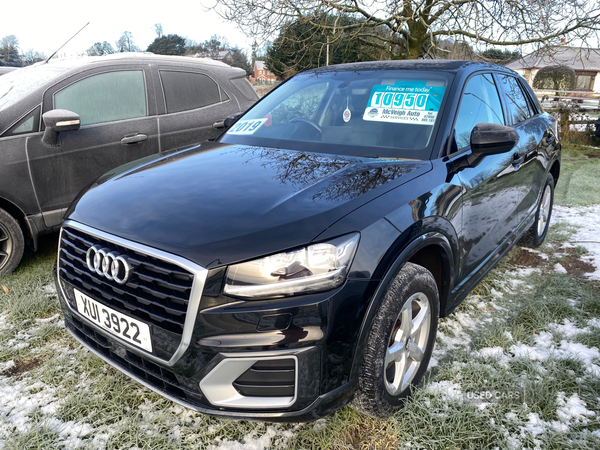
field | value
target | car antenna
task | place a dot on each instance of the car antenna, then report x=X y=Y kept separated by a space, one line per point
x=50 y=57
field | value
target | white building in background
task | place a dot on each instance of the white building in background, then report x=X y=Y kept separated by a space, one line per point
x=584 y=61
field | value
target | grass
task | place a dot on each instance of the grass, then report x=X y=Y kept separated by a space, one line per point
x=25 y=300
x=578 y=183
x=61 y=396
x=39 y=437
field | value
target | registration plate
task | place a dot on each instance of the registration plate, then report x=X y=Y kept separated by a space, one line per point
x=130 y=330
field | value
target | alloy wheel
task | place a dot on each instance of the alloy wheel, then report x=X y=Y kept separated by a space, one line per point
x=5 y=245
x=407 y=343
x=544 y=210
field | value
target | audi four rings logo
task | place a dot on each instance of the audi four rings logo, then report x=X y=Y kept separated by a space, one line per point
x=109 y=264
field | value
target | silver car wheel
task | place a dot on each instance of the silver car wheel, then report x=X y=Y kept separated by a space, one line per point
x=5 y=245
x=407 y=343
x=544 y=210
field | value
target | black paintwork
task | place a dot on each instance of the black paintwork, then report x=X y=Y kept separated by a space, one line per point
x=218 y=204
x=264 y=198
x=39 y=181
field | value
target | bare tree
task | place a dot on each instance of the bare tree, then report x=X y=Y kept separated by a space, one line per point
x=9 y=51
x=100 y=48
x=125 y=43
x=31 y=57
x=411 y=28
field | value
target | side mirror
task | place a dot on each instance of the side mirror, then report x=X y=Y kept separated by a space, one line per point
x=56 y=121
x=230 y=120
x=492 y=139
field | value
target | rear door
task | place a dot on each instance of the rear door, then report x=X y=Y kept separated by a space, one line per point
x=192 y=101
x=118 y=125
x=533 y=127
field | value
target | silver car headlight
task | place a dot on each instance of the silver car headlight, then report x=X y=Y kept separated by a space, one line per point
x=315 y=268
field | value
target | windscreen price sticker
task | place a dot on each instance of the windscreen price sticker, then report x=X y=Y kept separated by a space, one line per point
x=247 y=126
x=406 y=102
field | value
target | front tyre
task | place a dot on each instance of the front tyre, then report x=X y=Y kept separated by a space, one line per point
x=537 y=233
x=12 y=243
x=400 y=343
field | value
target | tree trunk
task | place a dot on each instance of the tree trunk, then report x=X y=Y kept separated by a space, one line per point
x=416 y=41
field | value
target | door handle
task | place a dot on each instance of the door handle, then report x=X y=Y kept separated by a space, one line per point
x=134 y=139
x=220 y=124
x=517 y=159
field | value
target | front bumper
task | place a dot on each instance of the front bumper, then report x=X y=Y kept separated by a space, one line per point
x=168 y=382
x=309 y=338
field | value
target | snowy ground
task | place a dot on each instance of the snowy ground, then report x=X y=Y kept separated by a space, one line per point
x=587 y=221
x=530 y=331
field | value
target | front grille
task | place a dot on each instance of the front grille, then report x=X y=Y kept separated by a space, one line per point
x=157 y=292
x=268 y=378
x=161 y=379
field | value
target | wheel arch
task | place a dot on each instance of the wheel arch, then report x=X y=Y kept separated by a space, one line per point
x=555 y=171
x=20 y=217
x=432 y=250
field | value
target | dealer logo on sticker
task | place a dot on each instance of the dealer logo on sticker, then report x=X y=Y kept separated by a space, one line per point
x=373 y=113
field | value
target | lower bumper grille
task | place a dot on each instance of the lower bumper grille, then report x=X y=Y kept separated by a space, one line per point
x=270 y=378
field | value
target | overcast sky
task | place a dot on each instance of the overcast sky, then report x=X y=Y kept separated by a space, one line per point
x=44 y=26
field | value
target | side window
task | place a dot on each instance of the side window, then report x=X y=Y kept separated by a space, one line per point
x=224 y=96
x=303 y=103
x=245 y=88
x=479 y=104
x=185 y=91
x=28 y=124
x=516 y=103
x=105 y=97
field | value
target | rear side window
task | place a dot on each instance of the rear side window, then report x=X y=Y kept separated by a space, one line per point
x=185 y=91
x=245 y=88
x=516 y=103
x=105 y=97
x=479 y=104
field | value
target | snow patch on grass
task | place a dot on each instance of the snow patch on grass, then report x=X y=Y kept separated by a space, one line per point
x=489 y=352
x=573 y=409
x=587 y=219
x=558 y=268
x=18 y=400
x=253 y=442
x=448 y=390
x=545 y=348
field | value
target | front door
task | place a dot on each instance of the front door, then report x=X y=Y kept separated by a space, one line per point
x=118 y=125
x=489 y=182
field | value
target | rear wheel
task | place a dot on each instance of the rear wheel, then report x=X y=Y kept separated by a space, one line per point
x=400 y=343
x=12 y=243
x=537 y=233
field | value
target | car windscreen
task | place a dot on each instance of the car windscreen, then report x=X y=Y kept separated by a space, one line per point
x=376 y=113
x=17 y=84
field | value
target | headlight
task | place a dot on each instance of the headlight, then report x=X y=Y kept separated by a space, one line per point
x=318 y=267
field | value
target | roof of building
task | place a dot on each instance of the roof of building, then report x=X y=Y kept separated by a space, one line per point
x=259 y=65
x=222 y=54
x=577 y=58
